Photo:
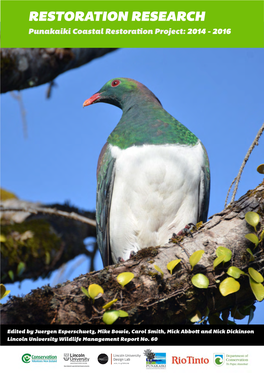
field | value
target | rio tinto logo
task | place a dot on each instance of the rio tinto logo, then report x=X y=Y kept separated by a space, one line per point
x=189 y=360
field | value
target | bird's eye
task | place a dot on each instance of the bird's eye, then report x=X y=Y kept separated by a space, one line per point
x=115 y=83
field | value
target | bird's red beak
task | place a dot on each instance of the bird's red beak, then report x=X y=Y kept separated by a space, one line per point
x=92 y=99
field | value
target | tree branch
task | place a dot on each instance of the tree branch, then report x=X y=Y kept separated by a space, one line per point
x=42 y=237
x=237 y=178
x=50 y=211
x=151 y=295
x=30 y=67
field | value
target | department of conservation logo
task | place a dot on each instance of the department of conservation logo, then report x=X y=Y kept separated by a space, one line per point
x=219 y=359
x=155 y=360
x=102 y=358
x=26 y=358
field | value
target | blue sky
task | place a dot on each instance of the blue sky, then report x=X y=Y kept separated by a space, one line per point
x=217 y=93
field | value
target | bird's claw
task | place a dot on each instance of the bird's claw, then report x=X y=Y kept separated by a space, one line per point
x=186 y=230
x=120 y=260
x=132 y=253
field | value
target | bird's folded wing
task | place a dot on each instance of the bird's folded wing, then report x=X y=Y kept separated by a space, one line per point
x=204 y=190
x=105 y=182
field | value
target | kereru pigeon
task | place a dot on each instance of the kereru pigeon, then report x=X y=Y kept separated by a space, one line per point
x=153 y=174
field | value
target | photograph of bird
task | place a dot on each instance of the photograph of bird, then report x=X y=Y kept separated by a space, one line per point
x=153 y=175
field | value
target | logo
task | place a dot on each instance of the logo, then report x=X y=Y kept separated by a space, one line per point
x=76 y=360
x=26 y=358
x=124 y=359
x=155 y=360
x=66 y=357
x=102 y=358
x=189 y=360
x=219 y=359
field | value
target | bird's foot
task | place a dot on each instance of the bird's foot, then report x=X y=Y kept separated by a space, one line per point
x=132 y=253
x=188 y=229
x=120 y=260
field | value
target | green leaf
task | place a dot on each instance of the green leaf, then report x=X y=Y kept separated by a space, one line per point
x=197 y=317
x=109 y=304
x=207 y=312
x=221 y=250
x=47 y=258
x=196 y=257
x=95 y=291
x=21 y=268
x=124 y=278
x=3 y=291
x=159 y=270
x=257 y=288
x=255 y=275
x=2 y=238
x=229 y=286
x=85 y=291
x=252 y=218
x=200 y=281
x=235 y=312
x=251 y=314
x=11 y=275
x=171 y=265
x=219 y=260
x=252 y=258
x=243 y=311
x=235 y=272
x=6 y=293
x=261 y=236
x=260 y=168
x=123 y=313
x=109 y=317
x=253 y=238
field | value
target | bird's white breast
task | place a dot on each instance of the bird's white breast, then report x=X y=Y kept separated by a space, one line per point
x=155 y=194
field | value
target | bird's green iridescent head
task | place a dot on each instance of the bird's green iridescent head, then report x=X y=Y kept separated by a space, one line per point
x=121 y=92
x=144 y=121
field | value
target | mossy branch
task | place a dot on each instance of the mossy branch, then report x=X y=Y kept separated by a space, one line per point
x=151 y=298
x=41 y=238
x=50 y=211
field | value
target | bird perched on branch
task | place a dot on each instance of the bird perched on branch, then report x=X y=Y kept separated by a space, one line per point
x=153 y=174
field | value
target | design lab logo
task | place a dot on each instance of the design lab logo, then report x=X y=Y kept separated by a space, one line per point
x=155 y=360
x=219 y=359
x=26 y=358
x=102 y=358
